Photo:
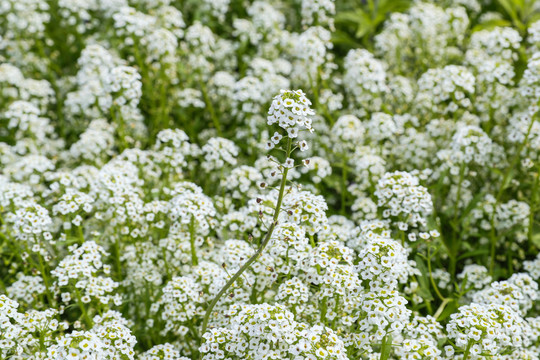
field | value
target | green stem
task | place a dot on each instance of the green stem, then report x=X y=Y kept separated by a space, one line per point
x=336 y=308
x=118 y=119
x=257 y=253
x=431 y=276
x=236 y=276
x=441 y=308
x=117 y=258
x=163 y=108
x=323 y=310
x=458 y=196
x=315 y=89
x=85 y=315
x=45 y=281
x=210 y=107
x=386 y=347
x=343 y=186
x=166 y=263
x=194 y=259
x=532 y=205
x=80 y=234
x=3 y=286
x=467 y=350
x=428 y=306
x=453 y=264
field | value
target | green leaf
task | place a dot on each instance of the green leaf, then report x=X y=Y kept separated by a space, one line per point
x=386 y=6
x=365 y=24
x=510 y=8
x=69 y=240
x=533 y=18
x=508 y=179
x=367 y=18
x=489 y=25
x=347 y=17
x=515 y=8
x=448 y=310
x=340 y=37
x=473 y=253
x=268 y=203
x=536 y=240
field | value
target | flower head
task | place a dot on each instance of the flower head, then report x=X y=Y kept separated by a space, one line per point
x=291 y=110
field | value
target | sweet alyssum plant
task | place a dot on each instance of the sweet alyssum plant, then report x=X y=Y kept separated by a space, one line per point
x=162 y=196
x=291 y=112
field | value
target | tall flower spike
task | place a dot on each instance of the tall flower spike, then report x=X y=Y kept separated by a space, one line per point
x=290 y=109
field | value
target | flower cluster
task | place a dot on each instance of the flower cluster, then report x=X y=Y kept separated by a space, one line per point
x=291 y=111
x=446 y=90
x=217 y=152
x=380 y=314
x=401 y=195
x=383 y=262
x=306 y=209
x=484 y=330
x=180 y=301
x=189 y=205
x=264 y=326
x=79 y=274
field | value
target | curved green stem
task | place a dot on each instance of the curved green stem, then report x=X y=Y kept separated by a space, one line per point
x=257 y=253
x=431 y=276
x=441 y=308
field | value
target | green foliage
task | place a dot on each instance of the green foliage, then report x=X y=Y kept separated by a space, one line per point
x=358 y=24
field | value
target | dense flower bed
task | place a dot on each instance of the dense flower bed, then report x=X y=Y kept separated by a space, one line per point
x=234 y=179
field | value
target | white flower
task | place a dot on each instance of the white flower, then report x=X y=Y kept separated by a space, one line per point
x=289 y=163
x=276 y=138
